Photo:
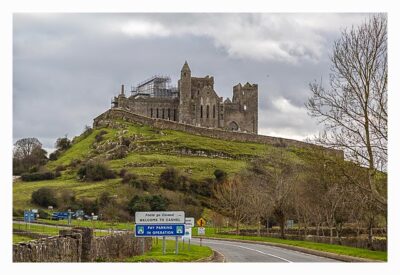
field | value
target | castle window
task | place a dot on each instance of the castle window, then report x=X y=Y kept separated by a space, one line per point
x=213 y=111
x=208 y=111
x=198 y=92
x=174 y=114
x=201 y=111
x=163 y=113
x=157 y=113
x=245 y=107
x=151 y=112
x=169 y=113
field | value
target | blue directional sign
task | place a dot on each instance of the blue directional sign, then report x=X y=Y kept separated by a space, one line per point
x=29 y=216
x=148 y=230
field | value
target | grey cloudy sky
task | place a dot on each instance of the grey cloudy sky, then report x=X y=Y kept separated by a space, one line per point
x=67 y=67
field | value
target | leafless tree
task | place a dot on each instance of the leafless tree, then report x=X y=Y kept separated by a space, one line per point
x=278 y=175
x=354 y=108
x=231 y=200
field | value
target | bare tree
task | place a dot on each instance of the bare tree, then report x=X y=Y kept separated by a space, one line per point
x=231 y=200
x=354 y=108
x=278 y=175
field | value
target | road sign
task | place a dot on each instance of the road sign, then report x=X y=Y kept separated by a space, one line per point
x=189 y=222
x=148 y=230
x=201 y=222
x=160 y=217
x=201 y=231
x=188 y=233
x=29 y=216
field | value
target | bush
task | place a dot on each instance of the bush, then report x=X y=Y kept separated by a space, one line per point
x=34 y=169
x=44 y=197
x=37 y=176
x=122 y=172
x=95 y=172
x=220 y=175
x=63 y=144
x=169 y=179
x=138 y=203
x=158 y=203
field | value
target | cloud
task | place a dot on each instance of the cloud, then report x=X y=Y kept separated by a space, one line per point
x=281 y=37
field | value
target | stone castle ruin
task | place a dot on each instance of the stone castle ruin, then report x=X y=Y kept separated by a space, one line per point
x=193 y=102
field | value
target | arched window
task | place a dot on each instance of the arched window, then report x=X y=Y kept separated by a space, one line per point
x=169 y=113
x=163 y=113
x=214 y=111
x=157 y=113
x=151 y=112
x=201 y=111
x=174 y=114
x=245 y=107
x=233 y=126
x=208 y=111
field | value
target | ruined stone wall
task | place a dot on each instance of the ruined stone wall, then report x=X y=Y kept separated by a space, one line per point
x=116 y=113
x=79 y=245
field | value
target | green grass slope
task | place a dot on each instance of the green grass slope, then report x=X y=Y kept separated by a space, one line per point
x=150 y=152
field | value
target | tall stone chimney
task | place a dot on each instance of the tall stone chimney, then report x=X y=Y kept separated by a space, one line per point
x=122 y=89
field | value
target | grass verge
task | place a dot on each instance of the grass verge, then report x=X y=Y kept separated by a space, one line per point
x=18 y=238
x=155 y=255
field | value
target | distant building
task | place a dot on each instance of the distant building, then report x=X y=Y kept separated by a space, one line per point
x=193 y=102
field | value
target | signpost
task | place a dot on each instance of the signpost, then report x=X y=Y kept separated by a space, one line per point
x=189 y=223
x=160 y=224
x=201 y=230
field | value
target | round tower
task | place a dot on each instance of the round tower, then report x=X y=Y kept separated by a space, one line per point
x=185 y=94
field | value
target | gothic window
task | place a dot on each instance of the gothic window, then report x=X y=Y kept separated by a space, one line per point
x=201 y=111
x=213 y=111
x=245 y=107
x=174 y=114
x=163 y=113
x=233 y=126
x=208 y=111
x=151 y=112
x=169 y=113
x=157 y=113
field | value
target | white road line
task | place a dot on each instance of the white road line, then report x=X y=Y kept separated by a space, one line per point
x=262 y=252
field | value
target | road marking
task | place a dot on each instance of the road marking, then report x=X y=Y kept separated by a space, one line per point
x=259 y=251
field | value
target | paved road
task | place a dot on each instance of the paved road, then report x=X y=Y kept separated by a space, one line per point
x=246 y=252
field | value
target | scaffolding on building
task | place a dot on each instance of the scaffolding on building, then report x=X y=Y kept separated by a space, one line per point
x=156 y=86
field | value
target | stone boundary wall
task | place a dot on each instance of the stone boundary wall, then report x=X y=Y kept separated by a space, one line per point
x=118 y=113
x=79 y=245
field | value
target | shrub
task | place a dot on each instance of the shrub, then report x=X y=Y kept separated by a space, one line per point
x=122 y=172
x=220 y=175
x=128 y=177
x=34 y=169
x=158 y=203
x=138 y=203
x=95 y=172
x=169 y=179
x=44 y=197
x=63 y=144
x=37 y=176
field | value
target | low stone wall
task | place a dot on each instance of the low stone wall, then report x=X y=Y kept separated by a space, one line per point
x=79 y=245
x=51 y=249
x=117 y=113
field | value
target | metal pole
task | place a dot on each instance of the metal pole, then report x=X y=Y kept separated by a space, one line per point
x=183 y=244
x=163 y=245
x=189 y=245
x=200 y=241
x=176 y=245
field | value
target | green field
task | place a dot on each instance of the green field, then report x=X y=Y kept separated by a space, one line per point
x=338 y=249
x=37 y=228
x=155 y=255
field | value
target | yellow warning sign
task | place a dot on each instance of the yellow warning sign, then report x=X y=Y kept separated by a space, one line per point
x=201 y=222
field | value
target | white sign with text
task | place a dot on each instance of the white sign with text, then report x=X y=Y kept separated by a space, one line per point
x=160 y=217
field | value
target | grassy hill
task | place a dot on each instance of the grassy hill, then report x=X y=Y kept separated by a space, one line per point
x=146 y=152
